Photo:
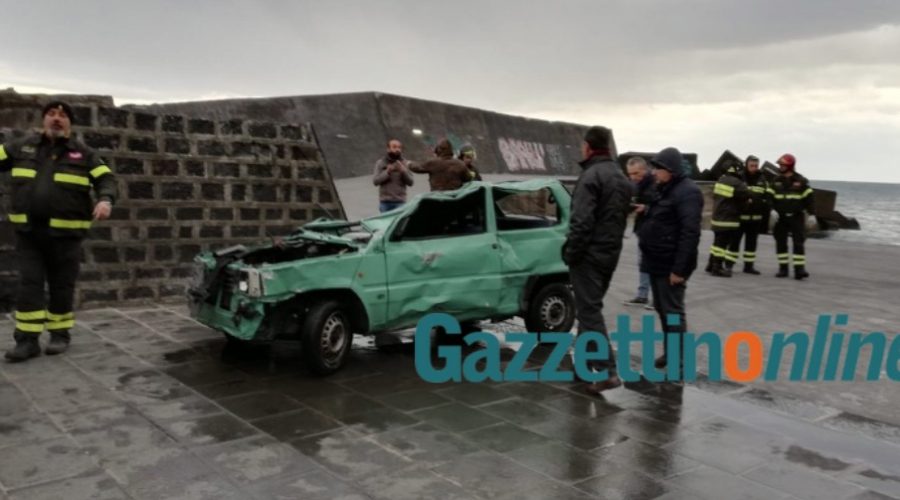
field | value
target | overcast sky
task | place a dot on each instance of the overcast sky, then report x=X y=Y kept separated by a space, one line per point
x=817 y=78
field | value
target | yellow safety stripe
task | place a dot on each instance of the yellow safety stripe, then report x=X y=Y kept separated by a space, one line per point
x=18 y=218
x=29 y=173
x=3 y=153
x=30 y=327
x=757 y=189
x=723 y=190
x=61 y=325
x=719 y=223
x=70 y=224
x=799 y=258
x=716 y=251
x=72 y=179
x=30 y=315
x=100 y=170
x=60 y=317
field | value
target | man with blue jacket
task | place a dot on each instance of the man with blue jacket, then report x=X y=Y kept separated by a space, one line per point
x=669 y=237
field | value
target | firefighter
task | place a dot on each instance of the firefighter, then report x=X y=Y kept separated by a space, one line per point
x=730 y=194
x=51 y=210
x=792 y=199
x=755 y=213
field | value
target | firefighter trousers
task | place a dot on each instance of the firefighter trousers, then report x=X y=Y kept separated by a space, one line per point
x=794 y=226
x=750 y=233
x=51 y=262
x=726 y=243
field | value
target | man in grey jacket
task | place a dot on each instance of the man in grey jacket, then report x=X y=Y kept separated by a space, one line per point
x=392 y=176
x=600 y=205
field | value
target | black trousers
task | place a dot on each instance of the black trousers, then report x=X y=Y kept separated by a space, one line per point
x=54 y=262
x=726 y=244
x=590 y=282
x=795 y=227
x=669 y=300
x=750 y=233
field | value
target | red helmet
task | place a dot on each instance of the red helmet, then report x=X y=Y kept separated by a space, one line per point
x=787 y=160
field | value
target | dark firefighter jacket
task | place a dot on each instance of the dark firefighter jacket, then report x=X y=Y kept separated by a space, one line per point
x=730 y=196
x=791 y=195
x=51 y=184
x=760 y=203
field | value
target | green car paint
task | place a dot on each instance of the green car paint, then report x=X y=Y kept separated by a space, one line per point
x=457 y=252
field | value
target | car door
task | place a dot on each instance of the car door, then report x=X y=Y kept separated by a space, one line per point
x=443 y=257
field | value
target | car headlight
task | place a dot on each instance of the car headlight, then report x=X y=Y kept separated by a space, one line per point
x=251 y=283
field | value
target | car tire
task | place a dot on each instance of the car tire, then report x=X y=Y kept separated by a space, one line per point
x=551 y=309
x=326 y=337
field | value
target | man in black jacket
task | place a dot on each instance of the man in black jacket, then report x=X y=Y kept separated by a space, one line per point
x=642 y=178
x=51 y=209
x=669 y=238
x=600 y=206
x=755 y=213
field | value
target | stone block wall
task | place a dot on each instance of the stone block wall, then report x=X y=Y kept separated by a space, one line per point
x=185 y=185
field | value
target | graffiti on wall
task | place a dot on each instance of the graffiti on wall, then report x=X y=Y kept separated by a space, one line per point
x=523 y=156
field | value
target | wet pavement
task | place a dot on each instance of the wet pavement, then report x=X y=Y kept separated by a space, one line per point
x=149 y=405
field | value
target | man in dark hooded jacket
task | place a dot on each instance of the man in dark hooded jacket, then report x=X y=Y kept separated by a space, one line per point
x=600 y=207
x=669 y=238
x=445 y=173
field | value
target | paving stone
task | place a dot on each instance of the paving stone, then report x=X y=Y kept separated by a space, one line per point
x=203 y=372
x=116 y=430
x=167 y=474
x=425 y=444
x=504 y=437
x=490 y=475
x=310 y=486
x=35 y=463
x=260 y=404
x=714 y=443
x=26 y=427
x=14 y=401
x=580 y=406
x=378 y=420
x=786 y=404
x=553 y=490
x=801 y=482
x=95 y=485
x=343 y=404
x=456 y=417
x=413 y=485
x=876 y=429
x=522 y=412
x=150 y=387
x=417 y=399
x=350 y=455
x=709 y=483
x=183 y=408
x=230 y=388
x=651 y=460
x=562 y=462
x=579 y=433
x=882 y=481
x=624 y=483
x=109 y=366
x=474 y=394
x=209 y=429
x=255 y=459
x=296 y=424
x=303 y=389
x=534 y=391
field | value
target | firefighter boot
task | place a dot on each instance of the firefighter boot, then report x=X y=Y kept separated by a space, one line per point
x=749 y=269
x=782 y=271
x=59 y=342
x=800 y=272
x=719 y=270
x=711 y=264
x=27 y=346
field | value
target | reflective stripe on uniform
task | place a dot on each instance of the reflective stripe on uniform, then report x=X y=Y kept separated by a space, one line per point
x=60 y=317
x=29 y=327
x=784 y=258
x=723 y=190
x=749 y=256
x=72 y=179
x=18 y=218
x=730 y=256
x=70 y=224
x=799 y=259
x=719 y=223
x=30 y=315
x=29 y=173
x=100 y=170
x=716 y=251
x=61 y=325
x=757 y=189
x=3 y=153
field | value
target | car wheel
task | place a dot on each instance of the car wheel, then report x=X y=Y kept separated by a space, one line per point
x=552 y=309
x=327 y=335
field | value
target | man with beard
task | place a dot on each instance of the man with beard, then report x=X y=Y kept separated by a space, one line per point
x=51 y=210
x=445 y=173
x=392 y=177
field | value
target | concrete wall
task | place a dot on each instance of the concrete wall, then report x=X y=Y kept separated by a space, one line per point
x=186 y=185
x=353 y=128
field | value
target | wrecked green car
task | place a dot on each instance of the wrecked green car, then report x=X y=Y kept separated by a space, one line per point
x=483 y=252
